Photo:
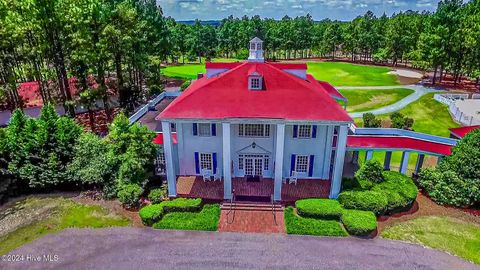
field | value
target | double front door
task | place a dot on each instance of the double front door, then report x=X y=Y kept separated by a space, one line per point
x=255 y=164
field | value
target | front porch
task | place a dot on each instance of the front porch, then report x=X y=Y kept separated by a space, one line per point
x=195 y=187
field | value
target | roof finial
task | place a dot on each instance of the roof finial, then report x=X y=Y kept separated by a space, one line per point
x=256 y=50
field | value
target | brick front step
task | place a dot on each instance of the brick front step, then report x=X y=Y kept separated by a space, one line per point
x=243 y=206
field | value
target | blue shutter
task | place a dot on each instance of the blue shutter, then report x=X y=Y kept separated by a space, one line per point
x=195 y=129
x=292 y=165
x=214 y=156
x=295 y=131
x=214 y=129
x=310 y=166
x=314 y=131
x=197 y=163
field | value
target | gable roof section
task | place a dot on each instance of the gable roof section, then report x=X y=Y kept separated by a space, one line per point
x=227 y=96
x=460 y=132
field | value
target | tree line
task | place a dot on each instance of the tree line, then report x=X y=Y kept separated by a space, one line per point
x=120 y=45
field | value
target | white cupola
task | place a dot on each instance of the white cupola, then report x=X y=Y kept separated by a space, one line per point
x=256 y=50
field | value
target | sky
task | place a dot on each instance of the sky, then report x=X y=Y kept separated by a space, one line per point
x=319 y=9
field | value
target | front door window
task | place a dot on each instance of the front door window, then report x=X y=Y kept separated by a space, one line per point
x=253 y=164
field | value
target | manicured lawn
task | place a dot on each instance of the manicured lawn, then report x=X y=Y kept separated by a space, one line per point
x=309 y=226
x=58 y=214
x=346 y=74
x=431 y=116
x=444 y=233
x=365 y=100
x=205 y=220
x=190 y=71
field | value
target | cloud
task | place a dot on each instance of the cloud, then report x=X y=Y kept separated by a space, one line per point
x=319 y=9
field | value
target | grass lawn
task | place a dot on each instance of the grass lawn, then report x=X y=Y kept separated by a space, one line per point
x=431 y=116
x=295 y=224
x=334 y=72
x=205 y=220
x=346 y=74
x=60 y=214
x=365 y=100
x=445 y=233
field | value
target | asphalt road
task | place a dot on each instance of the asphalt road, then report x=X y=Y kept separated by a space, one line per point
x=136 y=248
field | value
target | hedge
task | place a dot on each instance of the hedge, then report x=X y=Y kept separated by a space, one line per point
x=205 y=220
x=295 y=224
x=319 y=208
x=359 y=222
x=374 y=201
x=157 y=195
x=153 y=213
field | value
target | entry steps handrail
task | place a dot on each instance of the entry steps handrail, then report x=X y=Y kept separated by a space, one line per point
x=273 y=210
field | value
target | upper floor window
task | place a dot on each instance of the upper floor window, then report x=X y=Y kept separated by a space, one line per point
x=304 y=131
x=253 y=130
x=204 y=129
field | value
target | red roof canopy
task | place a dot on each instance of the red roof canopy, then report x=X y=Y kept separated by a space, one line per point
x=227 y=96
x=395 y=142
x=462 y=131
x=159 y=139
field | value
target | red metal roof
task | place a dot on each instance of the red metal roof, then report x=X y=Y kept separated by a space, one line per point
x=227 y=96
x=462 y=131
x=332 y=91
x=289 y=65
x=222 y=65
x=159 y=139
x=395 y=142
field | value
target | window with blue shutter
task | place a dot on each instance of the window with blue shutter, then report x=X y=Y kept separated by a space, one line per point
x=314 y=131
x=292 y=164
x=197 y=163
x=214 y=163
x=195 y=129
x=310 y=166
x=214 y=129
x=295 y=131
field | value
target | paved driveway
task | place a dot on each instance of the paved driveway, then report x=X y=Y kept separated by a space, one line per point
x=137 y=248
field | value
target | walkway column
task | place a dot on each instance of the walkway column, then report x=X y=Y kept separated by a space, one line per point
x=227 y=170
x=439 y=159
x=168 y=150
x=328 y=153
x=280 y=143
x=355 y=157
x=368 y=155
x=404 y=162
x=419 y=164
x=386 y=162
x=339 y=160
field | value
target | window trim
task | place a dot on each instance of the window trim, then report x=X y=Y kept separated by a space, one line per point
x=306 y=164
x=309 y=134
x=209 y=130
x=265 y=131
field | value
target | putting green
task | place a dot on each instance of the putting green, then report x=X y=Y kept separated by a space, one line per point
x=365 y=100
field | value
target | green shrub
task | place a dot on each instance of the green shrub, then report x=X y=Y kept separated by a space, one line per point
x=151 y=214
x=157 y=195
x=372 y=171
x=182 y=205
x=129 y=195
x=370 y=121
x=319 y=208
x=364 y=200
x=359 y=222
x=309 y=226
x=400 y=190
x=205 y=220
x=185 y=85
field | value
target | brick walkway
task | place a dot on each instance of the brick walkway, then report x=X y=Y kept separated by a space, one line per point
x=251 y=221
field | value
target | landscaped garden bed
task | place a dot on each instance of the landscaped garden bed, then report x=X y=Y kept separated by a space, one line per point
x=181 y=214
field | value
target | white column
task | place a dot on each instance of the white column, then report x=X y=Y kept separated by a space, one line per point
x=368 y=155
x=419 y=165
x=328 y=153
x=227 y=170
x=355 y=157
x=339 y=160
x=168 y=150
x=280 y=143
x=404 y=162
